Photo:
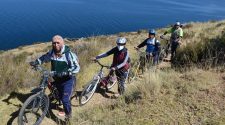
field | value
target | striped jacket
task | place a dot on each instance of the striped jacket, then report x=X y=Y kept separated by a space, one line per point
x=68 y=60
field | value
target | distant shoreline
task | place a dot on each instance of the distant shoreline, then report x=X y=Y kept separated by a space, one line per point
x=105 y=35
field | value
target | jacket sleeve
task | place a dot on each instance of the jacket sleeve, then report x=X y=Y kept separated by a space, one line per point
x=181 y=33
x=124 y=62
x=75 y=67
x=45 y=58
x=106 y=53
x=143 y=44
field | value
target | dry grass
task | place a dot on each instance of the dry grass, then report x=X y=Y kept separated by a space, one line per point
x=162 y=97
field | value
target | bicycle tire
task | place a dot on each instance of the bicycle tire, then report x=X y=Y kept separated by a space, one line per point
x=40 y=101
x=162 y=55
x=90 y=88
x=133 y=72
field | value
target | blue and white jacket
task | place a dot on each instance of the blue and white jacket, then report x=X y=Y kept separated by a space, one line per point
x=152 y=45
x=68 y=60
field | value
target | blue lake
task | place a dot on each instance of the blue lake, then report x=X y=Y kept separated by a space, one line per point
x=24 y=22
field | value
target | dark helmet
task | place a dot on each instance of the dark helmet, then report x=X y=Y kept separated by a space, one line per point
x=152 y=31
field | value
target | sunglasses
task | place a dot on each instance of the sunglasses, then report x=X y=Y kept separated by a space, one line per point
x=120 y=43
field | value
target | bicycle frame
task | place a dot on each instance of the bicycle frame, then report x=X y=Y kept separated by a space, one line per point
x=44 y=81
x=167 y=46
x=101 y=73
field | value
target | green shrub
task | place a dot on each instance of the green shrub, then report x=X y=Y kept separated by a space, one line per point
x=208 y=50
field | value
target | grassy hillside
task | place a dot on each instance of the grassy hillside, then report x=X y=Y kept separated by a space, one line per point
x=171 y=96
x=164 y=97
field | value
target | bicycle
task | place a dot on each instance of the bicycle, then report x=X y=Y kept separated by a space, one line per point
x=165 y=50
x=38 y=103
x=97 y=81
x=140 y=65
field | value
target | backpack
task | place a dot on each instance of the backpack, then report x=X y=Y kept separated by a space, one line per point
x=67 y=57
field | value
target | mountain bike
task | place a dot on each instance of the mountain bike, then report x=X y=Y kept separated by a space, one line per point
x=98 y=80
x=36 y=106
x=140 y=65
x=165 y=50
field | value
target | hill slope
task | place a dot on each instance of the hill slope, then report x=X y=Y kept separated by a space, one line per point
x=167 y=96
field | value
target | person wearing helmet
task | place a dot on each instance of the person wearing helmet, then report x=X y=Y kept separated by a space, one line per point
x=152 y=46
x=176 y=36
x=120 y=62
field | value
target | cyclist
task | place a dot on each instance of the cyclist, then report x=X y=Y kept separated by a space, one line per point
x=176 y=36
x=152 y=46
x=65 y=63
x=120 y=62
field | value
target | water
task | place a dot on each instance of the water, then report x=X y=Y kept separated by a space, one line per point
x=24 y=22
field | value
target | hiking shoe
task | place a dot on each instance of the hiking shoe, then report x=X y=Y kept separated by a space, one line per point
x=62 y=114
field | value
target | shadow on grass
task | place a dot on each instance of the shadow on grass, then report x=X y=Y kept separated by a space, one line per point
x=105 y=93
x=21 y=97
x=53 y=117
x=13 y=117
x=54 y=106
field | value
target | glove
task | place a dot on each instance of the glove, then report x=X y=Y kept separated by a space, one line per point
x=69 y=73
x=162 y=36
x=136 y=48
x=62 y=74
x=34 y=63
x=113 y=68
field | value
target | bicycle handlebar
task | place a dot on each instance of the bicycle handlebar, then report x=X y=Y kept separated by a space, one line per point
x=50 y=73
x=141 y=52
x=162 y=37
x=102 y=64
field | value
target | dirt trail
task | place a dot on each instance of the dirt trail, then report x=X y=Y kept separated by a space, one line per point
x=10 y=104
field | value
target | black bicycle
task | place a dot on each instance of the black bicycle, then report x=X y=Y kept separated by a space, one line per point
x=98 y=80
x=165 y=50
x=36 y=106
x=145 y=61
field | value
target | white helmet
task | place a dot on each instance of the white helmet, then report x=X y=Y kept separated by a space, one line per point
x=177 y=23
x=121 y=41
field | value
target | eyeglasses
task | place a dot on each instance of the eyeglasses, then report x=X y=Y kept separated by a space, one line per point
x=121 y=44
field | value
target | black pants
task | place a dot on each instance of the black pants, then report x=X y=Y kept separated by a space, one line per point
x=121 y=77
x=174 y=49
x=155 y=58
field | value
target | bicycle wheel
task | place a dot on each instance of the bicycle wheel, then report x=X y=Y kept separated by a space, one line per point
x=162 y=55
x=88 y=91
x=34 y=110
x=133 y=72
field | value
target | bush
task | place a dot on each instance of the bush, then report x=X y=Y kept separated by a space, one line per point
x=208 y=50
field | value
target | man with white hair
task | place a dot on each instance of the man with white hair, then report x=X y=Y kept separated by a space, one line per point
x=176 y=36
x=65 y=64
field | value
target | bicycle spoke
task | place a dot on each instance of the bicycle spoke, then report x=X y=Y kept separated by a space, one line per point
x=34 y=106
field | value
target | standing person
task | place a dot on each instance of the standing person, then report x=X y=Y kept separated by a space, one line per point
x=120 y=62
x=65 y=63
x=152 y=46
x=176 y=36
